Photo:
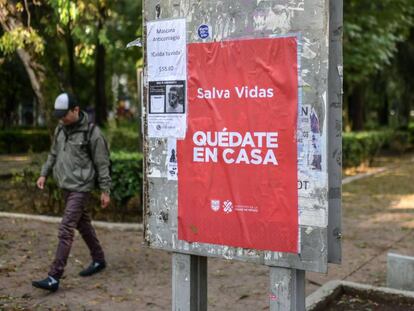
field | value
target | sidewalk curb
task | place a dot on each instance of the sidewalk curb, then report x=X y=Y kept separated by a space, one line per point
x=97 y=224
x=350 y=179
x=140 y=227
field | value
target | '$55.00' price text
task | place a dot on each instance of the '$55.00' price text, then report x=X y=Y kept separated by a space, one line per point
x=165 y=68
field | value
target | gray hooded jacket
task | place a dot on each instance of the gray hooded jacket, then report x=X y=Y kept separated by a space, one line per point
x=79 y=165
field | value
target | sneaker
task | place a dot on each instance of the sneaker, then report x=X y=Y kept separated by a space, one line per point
x=93 y=268
x=49 y=283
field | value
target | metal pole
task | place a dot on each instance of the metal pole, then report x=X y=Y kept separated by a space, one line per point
x=335 y=130
x=189 y=283
x=287 y=289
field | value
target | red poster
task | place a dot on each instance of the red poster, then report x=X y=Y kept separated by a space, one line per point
x=237 y=182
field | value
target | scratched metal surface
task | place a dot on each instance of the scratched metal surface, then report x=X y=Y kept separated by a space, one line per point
x=249 y=19
x=335 y=132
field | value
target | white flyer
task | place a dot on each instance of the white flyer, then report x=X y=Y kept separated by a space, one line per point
x=167 y=109
x=167 y=78
x=167 y=50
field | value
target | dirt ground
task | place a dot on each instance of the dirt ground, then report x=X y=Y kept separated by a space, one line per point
x=378 y=217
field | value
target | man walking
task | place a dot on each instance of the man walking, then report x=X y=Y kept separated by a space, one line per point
x=79 y=159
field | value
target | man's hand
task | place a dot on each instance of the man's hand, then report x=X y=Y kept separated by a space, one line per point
x=41 y=182
x=105 y=199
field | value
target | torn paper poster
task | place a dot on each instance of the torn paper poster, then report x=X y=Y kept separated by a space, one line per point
x=172 y=167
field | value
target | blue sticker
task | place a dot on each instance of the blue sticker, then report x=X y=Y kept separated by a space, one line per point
x=203 y=31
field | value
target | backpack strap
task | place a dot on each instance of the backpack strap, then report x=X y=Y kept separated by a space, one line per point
x=87 y=137
x=60 y=129
x=88 y=134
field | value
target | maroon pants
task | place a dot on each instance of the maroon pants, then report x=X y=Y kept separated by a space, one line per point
x=75 y=217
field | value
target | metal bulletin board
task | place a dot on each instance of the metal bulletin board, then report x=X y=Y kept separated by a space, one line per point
x=317 y=29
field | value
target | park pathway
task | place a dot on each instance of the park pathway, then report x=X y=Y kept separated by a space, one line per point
x=378 y=216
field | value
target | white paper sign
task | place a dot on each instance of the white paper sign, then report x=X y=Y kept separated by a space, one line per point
x=166 y=50
x=167 y=78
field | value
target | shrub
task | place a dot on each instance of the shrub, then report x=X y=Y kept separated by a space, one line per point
x=351 y=150
x=126 y=185
x=400 y=141
x=24 y=140
x=123 y=139
x=38 y=140
x=126 y=177
x=363 y=146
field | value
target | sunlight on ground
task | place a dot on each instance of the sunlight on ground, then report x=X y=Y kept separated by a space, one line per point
x=408 y=224
x=19 y=158
x=400 y=212
x=362 y=169
x=405 y=220
x=406 y=202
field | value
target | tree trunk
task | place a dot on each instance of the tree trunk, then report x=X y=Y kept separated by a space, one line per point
x=70 y=47
x=404 y=117
x=100 y=92
x=380 y=88
x=383 y=113
x=101 y=112
x=405 y=63
x=34 y=70
x=356 y=108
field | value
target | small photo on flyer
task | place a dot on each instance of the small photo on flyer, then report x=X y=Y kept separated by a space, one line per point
x=175 y=98
x=167 y=97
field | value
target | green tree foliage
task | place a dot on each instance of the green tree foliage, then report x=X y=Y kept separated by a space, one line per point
x=373 y=33
x=16 y=35
x=20 y=37
x=79 y=43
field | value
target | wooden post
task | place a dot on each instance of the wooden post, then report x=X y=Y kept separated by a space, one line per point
x=189 y=283
x=287 y=289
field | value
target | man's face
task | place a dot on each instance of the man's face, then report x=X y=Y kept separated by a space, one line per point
x=173 y=98
x=71 y=117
